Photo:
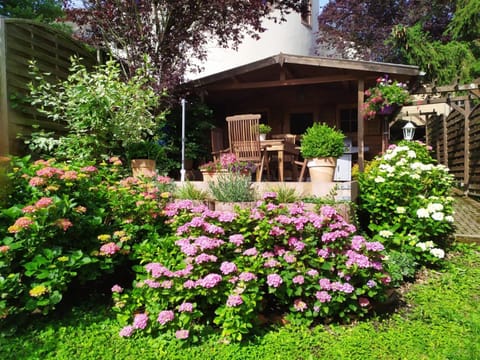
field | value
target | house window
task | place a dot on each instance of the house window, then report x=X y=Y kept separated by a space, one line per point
x=299 y=122
x=348 y=120
x=306 y=12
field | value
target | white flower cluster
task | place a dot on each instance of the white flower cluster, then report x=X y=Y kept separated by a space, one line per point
x=430 y=247
x=435 y=211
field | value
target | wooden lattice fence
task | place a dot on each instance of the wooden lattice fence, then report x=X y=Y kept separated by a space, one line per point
x=456 y=142
x=21 y=41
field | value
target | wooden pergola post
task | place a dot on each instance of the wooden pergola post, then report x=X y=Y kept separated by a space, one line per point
x=361 y=128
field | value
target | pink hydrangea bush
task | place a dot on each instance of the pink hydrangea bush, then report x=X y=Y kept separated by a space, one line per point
x=62 y=221
x=227 y=268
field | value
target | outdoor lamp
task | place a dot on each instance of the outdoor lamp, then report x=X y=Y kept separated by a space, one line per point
x=408 y=131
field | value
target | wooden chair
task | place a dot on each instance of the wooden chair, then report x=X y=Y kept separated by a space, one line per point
x=218 y=146
x=288 y=159
x=244 y=140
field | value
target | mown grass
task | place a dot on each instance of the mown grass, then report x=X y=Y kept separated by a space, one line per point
x=440 y=320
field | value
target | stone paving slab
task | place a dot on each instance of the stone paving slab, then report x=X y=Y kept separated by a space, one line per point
x=467 y=219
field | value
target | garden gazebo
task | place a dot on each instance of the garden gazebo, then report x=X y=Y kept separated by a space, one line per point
x=291 y=92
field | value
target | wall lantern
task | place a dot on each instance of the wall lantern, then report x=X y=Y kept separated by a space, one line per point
x=408 y=131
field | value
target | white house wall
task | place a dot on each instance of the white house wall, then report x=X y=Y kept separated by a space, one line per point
x=290 y=37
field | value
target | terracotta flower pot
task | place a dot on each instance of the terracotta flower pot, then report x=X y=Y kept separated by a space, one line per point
x=143 y=167
x=322 y=169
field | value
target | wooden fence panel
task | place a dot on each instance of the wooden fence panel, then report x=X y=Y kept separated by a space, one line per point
x=474 y=186
x=449 y=134
x=21 y=41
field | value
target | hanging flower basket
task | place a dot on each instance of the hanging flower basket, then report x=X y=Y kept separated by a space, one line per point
x=385 y=98
x=388 y=109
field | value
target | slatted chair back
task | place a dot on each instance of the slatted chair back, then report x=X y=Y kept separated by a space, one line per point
x=244 y=139
x=217 y=143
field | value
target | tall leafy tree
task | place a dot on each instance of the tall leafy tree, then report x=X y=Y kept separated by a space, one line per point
x=41 y=10
x=360 y=28
x=173 y=34
x=440 y=36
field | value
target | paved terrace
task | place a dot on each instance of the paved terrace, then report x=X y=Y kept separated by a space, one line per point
x=467 y=219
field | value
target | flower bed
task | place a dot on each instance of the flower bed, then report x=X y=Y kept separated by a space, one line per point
x=228 y=267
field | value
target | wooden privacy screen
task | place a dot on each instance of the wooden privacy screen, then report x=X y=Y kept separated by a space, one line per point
x=21 y=41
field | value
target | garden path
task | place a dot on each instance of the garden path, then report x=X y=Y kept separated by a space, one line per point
x=467 y=219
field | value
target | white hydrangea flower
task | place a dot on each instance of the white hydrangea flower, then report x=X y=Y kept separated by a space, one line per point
x=379 y=179
x=438 y=253
x=449 y=218
x=385 y=233
x=438 y=216
x=415 y=176
x=422 y=246
x=411 y=154
x=429 y=244
x=434 y=207
x=423 y=213
x=400 y=210
x=416 y=165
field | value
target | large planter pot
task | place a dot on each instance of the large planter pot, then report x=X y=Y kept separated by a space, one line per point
x=212 y=175
x=230 y=206
x=143 y=167
x=322 y=169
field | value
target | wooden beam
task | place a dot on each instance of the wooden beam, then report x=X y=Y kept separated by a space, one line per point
x=4 y=141
x=279 y=83
x=466 y=137
x=360 y=126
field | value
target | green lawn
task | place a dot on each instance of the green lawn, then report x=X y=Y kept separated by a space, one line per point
x=441 y=320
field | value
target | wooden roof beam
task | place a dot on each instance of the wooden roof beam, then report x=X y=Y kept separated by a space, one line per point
x=290 y=82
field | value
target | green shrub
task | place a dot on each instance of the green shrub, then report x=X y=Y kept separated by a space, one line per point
x=406 y=204
x=103 y=113
x=66 y=221
x=321 y=140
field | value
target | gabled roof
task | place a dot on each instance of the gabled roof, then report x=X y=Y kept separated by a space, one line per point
x=290 y=70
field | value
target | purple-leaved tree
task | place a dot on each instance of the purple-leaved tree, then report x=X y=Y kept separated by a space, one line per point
x=171 y=34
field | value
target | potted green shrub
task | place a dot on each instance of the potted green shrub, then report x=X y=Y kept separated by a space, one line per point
x=143 y=155
x=264 y=129
x=322 y=145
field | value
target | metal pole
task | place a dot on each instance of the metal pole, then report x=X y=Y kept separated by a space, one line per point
x=182 y=170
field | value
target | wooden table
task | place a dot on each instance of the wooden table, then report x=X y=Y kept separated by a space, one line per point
x=282 y=148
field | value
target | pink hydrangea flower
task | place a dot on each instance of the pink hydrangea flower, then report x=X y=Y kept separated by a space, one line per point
x=250 y=252
x=203 y=258
x=109 y=248
x=165 y=316
x=228 y=267
x=185 y=307
x=300 y=305
x=140 y=321
x=29 y=209
x=274 y=280
x=127 y=331
x=182 y=334
x=323 y=296
x=210 y=281
x=299 y=279
x=247 y=276
x=117 y=289
x=36 y=181
x=44 y=202
x=325 y=284
x=234 y=300
x=64 y=224
x=236 y=239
